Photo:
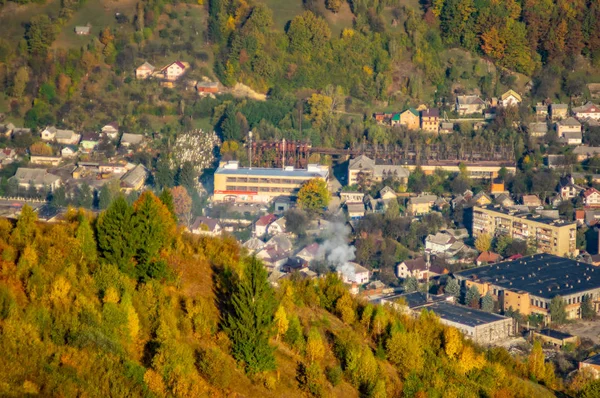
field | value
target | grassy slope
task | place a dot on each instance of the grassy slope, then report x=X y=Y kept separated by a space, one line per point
x=13 y=18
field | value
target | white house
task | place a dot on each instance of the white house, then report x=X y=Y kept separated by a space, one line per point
x=67 y=137
x=277 y=227
x=128 y=140
x=587 y=111
x=351 y=197
x=311 y=252
x=416 y=268
x=68 y=152
x=173 y=71
x=354 y=273
x=439 y=243
x=111 y=130
x=591 y=198
x=39 y=178
x=144 y=71
x=206 y=226
x=510 y=98
x=261 y=225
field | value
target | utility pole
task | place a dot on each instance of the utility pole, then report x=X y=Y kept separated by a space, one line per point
x=283 y=154
x=427 y=265
x=250 y=147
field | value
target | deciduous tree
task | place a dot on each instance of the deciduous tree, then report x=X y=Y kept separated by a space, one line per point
x=314 y=195
x=483 y=243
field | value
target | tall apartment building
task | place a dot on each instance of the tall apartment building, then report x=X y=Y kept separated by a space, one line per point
x=255 y=184
x=551 y=236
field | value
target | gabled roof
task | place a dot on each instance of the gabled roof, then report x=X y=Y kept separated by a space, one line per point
x=589 y=107
x=488 y=257
x=410 y=110
x=254 y=244
x=511 y=93
x=131 y=138
x=469 y=100
x=266 y=220
x=423 y=199
x=361 y=162
x=590 y=191
x=211 y=223
x=570 y=121
x=417 y=264
x=26 y=175
x=386 y=190
x=430 y=112
x=146 y=65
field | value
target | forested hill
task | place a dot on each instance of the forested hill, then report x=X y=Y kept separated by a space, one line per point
x=126 y=305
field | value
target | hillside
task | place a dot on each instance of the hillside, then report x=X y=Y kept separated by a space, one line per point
x=98 y=307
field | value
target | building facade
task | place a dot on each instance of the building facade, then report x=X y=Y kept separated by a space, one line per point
x=363 y=167
x=550 y=236
x=430 y=120
x=255 y=184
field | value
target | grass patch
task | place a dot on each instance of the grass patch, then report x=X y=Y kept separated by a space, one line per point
x=284 y=10
x=14 y=18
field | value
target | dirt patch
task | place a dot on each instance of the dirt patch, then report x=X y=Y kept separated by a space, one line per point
x=242 y=91
x=584 y=329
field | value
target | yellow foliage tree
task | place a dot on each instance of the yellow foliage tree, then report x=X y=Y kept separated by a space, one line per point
x=469 y=360
x=155 y=382
x=405 y=350
x=452 y=342
x=345 y=309
x=483 y=242
x=111 y=295
x=315 y=349
x=535 y=362
x=60 y=290
x=320 y=109
x=133 y=322
x=281 y=321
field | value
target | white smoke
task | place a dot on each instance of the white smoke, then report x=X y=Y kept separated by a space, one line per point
x=336 y=249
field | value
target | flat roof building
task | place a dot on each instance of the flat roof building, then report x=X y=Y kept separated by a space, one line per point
x=255 y=184
x=550 y=235
x=529 y=284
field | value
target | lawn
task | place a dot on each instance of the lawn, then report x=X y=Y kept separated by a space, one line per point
x=13 y=18
x=284 y=10
x=99 y=14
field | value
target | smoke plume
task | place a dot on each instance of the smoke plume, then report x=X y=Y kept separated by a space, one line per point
x=336 y=249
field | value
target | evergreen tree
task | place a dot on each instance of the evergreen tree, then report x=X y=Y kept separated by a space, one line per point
x=452 y=287
x=59 y=197
x=487 y=303
x=117 y=237
x=87 y=243
x=472 y=297
x=167 y=199
x=165 y=177
x=25 y=230
x=294 y=336
x=153 y=225
x=587 y=308
x=85 y=197
x=187 y=176
x=410 y=284
x=558 y=313
x=230 y=127
x=104 y=197
x=250 y=319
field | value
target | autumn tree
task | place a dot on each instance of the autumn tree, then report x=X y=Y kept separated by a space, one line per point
x=40 y=148
x=333 y=5
x=167 y=199
x=250 y=318
x=320 y=107
x=281 y=321
x=483 y=243
x=452 y=342
x=308 y=33
x=345 y=309
x=314 y=195
x=182 y=203
x=404 y=350
x=315 y=349
x=20 y=82
x=25 y=230
x=558 y=314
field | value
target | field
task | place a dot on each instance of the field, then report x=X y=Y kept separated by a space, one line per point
x=99 y=14
x=13 y=18
x=283 y=11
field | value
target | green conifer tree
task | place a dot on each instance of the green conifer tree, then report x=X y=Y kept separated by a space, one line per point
x=151 y=221
x=452 y=287
x=117 y=237
x=87 y=243
x=104 y=197
x=487 y=303
x=250 y=320
x=167 y=199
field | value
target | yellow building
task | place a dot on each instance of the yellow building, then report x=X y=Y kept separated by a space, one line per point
x=476 y=170
x=529 y=284
x=255 y=184
x=430 y=120
x=550 y=236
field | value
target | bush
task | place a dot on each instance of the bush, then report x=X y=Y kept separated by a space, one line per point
x=334 y=375
x=214 y=366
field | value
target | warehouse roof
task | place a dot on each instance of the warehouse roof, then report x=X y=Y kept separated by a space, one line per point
x=464 y=315
x=526 y=215
x=232 y=168
x=541 y=275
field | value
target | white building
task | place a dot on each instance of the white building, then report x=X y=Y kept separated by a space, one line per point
x=355 y=273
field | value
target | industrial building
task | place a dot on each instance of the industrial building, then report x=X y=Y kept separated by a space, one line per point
x=255 y=184
x=480 y=326
x=550 y=236
x=529 y=284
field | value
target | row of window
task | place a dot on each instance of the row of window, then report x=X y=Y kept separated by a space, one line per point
x=264 y=180
x=261 y=189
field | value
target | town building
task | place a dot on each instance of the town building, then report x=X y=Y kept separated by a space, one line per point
x=355 y=211
x=69 y=151
x=207 y=87
x=65 y=137
x=559 y=111
x=531 y=201
x=408 y=118
x=550 y=236
x=538 y=129
x=277 y=227
x=567 y=189
x=173 y=71
x=488 y=257
x=352 y=197
x=587 y=111
x=111 y=130
x=591 y=197
x=128 y=140
x=261 y=225
x=541 y=110
x=365 y=169
x=554 y=337
x=469 y=104
x=586 y=152
x=83 y=30
x=430 y=120
x=421 y=204
x=144 y=71
x=510 y=98
x=416 y=268
x=529 y=284
x=354 y=273
x=134 y=179
x=39 y=178
x=446 y=128
x=89 y=141
x=476 y=170
x=45 y=160
x=569 y=131
x=206 y=226
x=255 y=184
x=592 y=364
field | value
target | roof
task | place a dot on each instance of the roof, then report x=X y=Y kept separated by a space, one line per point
x=82 y=29
x=146 y=65
x=132 y=177
x=416 y=264
x=531 y=199
x=555 y=334
x=430 y=112
x=131 y=138
x=358 y=269
x=178 y=63
x=211 y=223
x=464 y=315
x=311 y=250
x=64 y=134
x=355 y=207
x=524 y=213
x=265 y=220
x=559 y=106
x=254 y=244
x=511 y=93
x=385 y=190
x=590 y=191
x=272 y=172
x=575 y=135
x=411 y=110
x=570 y=121
x=361 y=162
x=488 y=257
x=538 y=127
x=90 y=136
x=37 y=176
x=469 y=100
x=281 y=242
x=423 y=199
x=589 y=107
x=440 y=238
x=542 y=275
x=595 y=360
